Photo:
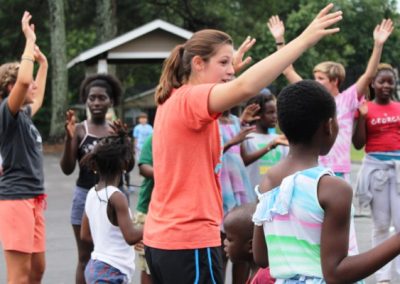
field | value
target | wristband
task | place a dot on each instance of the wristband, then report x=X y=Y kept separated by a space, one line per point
x=27 y=58
x=279 y=43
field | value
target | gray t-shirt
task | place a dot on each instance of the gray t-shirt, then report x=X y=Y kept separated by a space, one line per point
x=21 y=149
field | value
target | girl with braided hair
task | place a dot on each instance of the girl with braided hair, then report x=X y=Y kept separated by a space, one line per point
x=107 y=220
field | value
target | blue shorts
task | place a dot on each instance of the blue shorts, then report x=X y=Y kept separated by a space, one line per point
x=78 y=205
x=97 y=271
x=301 y=279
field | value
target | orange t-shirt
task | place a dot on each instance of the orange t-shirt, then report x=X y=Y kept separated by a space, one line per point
x=185 y=210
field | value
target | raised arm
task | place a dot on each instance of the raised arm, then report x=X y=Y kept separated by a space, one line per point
x=360 y=131
x=239 y=138
x=70 y=153
x=381 y=34
x=335 y=197
x=277 y=29
x=40 y=81
x=249 y=158
x=17 y=95
x=225 y=96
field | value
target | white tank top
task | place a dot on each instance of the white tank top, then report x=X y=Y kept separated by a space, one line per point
x=109 y=243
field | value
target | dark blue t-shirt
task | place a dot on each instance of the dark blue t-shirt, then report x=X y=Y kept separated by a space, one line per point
x=21 y=149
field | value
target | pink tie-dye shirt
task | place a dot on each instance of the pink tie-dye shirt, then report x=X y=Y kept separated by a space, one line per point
x=338 y=158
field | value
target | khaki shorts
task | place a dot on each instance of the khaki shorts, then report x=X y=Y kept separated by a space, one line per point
x=22 y=226
x=139 y=219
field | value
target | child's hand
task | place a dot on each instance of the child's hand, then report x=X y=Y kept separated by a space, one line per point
x=238 y=63
x=318 y=28
x=277 y=28
x=28 y=29
x=363 y=109
x=39 y=56
x=383 y=31
x=249 y=113
x=280 y=140
x=241 y=136
x=119 y=128
x=70 y=123
x=139 y=246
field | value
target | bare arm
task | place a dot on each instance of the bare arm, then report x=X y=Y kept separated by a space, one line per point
x=131 y=233
x=249 y=158
x=239 y=138
x=146 y=170
x=40 y=80
x=86 y=236
x=277 y=29
x=360 y=128
x=17 y=95
x=225 y=96
x=381 y=34
x=260 y=250
x=70 y=153
x=335 y=196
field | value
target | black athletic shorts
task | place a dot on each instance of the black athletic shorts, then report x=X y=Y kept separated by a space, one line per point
x=192 y=266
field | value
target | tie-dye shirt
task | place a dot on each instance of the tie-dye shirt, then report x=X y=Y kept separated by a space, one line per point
x=338 y=158
x=292 y=219
x=235 y=182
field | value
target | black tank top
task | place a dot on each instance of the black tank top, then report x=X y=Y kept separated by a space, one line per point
x=87 y=178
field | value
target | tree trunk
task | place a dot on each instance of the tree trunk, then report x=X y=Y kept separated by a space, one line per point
x=106 y=15
x=59 y=73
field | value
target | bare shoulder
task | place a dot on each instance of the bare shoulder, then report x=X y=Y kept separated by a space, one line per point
x=273 y=177
x=80 y=131
x=332 y=190
x=119 y=200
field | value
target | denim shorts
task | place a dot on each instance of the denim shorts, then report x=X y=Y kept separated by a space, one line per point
x=97 y=271
x=78 y=205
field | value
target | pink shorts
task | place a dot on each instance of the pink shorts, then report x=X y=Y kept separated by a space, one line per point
x=22 y=226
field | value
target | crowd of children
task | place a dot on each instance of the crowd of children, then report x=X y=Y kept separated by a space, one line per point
x=216 y=186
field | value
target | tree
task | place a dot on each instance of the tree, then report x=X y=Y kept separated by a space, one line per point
x=59 y=76
x=106 y=20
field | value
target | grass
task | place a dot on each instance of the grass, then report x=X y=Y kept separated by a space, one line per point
x=356 y=155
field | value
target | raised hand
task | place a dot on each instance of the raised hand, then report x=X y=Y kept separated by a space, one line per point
x=70 y=123
x=280 y=140
x=39 y=56
x=363 y=108
x=277 y=28
x=383 y=31
x=249 y=113
x=241 y=136
x=27 y=28
x=319 y=27
x=238 y=62
x=119 y=128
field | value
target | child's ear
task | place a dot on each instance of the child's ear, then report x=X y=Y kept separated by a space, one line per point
x=328 y=126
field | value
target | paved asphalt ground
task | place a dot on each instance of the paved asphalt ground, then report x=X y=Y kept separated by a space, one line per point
x=61 y=251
